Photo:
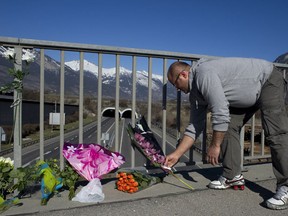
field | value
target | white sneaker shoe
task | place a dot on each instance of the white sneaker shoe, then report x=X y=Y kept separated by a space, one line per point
x=280 y=199
x=224 y=183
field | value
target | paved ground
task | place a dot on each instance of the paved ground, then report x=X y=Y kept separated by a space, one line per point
x=169 y=198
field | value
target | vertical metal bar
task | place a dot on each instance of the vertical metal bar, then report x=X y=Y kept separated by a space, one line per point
x=81 y=90
x=178 y=115
x=164 y=106
x=134 y=61
x=117 y=102
x=149 y=91
x=262 y=143
x=252 y=135
x=204 y=141
x=242 y=146
x=99 y=99
x=133 y=105
x=62 y=91
x=17 y=113
x=41 y=123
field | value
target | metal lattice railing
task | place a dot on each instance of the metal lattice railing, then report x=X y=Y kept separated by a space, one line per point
x=118 y=52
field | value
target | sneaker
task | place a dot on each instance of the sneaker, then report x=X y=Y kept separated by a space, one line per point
x=224 y=183
x=280 y=199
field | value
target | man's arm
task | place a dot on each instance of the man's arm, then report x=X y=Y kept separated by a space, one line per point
x=185 y=144
x=214 y=148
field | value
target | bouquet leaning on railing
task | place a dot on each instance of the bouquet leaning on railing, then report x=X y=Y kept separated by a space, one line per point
x=144 y=140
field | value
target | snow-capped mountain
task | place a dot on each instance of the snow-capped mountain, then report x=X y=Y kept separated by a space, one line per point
x=52 y=79
x=108 y=73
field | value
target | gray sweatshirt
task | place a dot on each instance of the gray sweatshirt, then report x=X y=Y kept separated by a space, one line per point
x=217 y=84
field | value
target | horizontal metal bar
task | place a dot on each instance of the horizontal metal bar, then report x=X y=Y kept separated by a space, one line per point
x=257 y=157
x=96 y=48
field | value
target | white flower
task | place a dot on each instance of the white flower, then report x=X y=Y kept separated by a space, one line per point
x=7 y=160
x=71 y=149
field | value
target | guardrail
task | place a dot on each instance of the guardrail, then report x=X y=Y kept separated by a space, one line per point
x=63 y=47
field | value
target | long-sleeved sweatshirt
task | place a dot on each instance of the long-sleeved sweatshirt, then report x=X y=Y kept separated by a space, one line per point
x=218 y=84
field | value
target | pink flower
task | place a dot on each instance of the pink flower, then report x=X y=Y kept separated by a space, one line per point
x=92 y=161
x=117 y=159
x=139 y=137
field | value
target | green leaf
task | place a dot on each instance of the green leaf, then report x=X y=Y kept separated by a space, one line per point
x=6 y=169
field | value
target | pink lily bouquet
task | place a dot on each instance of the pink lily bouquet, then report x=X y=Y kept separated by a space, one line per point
x=92 y=160
x=144 y=140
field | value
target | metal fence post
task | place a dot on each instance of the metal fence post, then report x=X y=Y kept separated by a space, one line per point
x=17 y=142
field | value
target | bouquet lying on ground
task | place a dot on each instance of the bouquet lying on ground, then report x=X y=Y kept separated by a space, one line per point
x=133 y=181
x=144 y=140
x=91 y=161
x=49 y=183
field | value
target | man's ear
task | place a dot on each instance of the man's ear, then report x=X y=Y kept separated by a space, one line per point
x=185 y=74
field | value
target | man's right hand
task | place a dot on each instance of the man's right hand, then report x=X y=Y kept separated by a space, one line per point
x=172 y=159
x=185 y=144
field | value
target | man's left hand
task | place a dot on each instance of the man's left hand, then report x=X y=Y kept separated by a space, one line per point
x=213 y=154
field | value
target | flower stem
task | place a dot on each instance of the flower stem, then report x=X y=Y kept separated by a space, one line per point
x=189 y=186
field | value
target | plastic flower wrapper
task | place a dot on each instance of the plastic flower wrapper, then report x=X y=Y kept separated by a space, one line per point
x=92 y=160
x=133 y=181
x=144 y=140
x=6 y=204
x=49 y=183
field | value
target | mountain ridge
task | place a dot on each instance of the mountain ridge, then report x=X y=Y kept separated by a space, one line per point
x=52 y=79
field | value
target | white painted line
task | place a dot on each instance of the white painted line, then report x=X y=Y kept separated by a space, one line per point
x=121 y=139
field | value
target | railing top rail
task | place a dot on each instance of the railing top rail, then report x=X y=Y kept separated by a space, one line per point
x=97 y=48
x=56 y=45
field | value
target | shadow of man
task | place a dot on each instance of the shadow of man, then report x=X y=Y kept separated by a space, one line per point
x=256 y=188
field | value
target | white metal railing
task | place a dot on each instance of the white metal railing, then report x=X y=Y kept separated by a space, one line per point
x=63 y=47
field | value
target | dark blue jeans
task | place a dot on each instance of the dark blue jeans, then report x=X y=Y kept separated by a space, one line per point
x=274 y=122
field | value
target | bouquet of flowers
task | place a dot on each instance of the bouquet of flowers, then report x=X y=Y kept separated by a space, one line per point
x=144 y=140
x=133 y=181
x=6 y=181
x=91 y=161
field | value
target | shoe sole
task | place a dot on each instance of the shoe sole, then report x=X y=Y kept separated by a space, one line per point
x=235 y=187
x=276 y=207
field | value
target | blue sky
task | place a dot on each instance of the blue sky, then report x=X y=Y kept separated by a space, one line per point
x=246 y=28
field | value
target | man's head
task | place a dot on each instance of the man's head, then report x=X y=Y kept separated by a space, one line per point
x=178 y=75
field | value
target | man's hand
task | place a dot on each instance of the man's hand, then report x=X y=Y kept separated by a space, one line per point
x=214 y=149
x=171 y=159
x=183 y=146
x=213 y=154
